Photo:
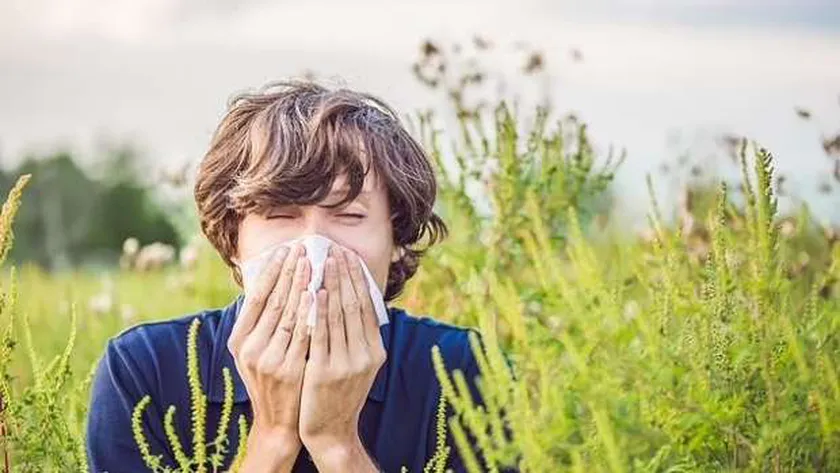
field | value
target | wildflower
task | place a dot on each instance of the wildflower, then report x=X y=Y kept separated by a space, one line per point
x=131 y=246
x=188 y=257
x=154 y=256
x=101 y=303
x=128 y=313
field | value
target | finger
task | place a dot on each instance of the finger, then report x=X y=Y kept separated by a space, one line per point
x=299 y=344
x=370 y=322
x=279 y=297
x=299 y=283
x=353 y=326
x=256 y=299
x=319 y=341
x=282 y=336
x=335 y=322
x=275 y=351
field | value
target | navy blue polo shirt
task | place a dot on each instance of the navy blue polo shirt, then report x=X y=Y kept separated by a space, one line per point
x=397 y=424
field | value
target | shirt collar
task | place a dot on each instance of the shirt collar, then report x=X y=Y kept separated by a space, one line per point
x=222 y=358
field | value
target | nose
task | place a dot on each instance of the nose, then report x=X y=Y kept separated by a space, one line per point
x=316 y=224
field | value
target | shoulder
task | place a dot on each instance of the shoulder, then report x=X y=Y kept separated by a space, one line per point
x=152 y=356
x=415 y=337
x=153 y=337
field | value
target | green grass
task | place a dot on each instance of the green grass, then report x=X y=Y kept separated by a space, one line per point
x=630 y=355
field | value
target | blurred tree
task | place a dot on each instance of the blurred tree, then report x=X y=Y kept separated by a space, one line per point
x=53 y=219
x=124 y=210
x=70 y=218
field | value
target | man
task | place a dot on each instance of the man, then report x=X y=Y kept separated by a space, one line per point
x=291 y=161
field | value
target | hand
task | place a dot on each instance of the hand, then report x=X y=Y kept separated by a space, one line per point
x=345 y=355
x=269 y=342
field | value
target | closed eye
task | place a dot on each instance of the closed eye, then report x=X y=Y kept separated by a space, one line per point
x=352 y=215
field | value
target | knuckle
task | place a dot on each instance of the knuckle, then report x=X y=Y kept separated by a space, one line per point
x=300 y=271
x=265 y=366
x=330 y=282
x=249 y=362
x=260 y=294
x=288 y=270
x=297 y=309
x=249 y=356
x=301 y=284
x=363 y=364
x=352 y=306
x=379 y=356
x=285 y=327
x=338 y=371
x=276 y=302
x=285 y=372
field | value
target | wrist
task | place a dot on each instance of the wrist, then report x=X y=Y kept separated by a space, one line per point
x=331 y=454
x=270 y=451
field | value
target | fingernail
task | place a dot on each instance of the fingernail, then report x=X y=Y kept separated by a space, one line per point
x=280 y=253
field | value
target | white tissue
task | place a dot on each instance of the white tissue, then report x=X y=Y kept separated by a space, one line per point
x=317 y=248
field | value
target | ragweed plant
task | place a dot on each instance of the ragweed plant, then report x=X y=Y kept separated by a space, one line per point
x=200 y=462
x=39 y=422
x=653 y=360
x=689 y=350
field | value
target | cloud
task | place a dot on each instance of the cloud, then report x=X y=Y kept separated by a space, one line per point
x=135 y=21
x=123 y=20
x=160 y=71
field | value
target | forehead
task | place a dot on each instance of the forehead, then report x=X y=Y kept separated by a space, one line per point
x=371 y=185
x=331 y=177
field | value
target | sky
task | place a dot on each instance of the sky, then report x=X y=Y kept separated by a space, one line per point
x=659 y=77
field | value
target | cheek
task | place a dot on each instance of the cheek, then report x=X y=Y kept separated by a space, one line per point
x=255 y=234
x=376 y=253
x=372 y=243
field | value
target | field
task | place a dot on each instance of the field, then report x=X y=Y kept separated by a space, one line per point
x=709 y=344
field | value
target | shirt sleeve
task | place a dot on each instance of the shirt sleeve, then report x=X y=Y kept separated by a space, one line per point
x=118 y=386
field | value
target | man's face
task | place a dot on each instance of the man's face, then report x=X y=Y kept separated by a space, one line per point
x=362 y=225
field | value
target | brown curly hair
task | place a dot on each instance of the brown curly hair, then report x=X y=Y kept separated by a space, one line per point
x=287 y=142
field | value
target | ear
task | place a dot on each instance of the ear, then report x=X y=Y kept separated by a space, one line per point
x=396 y=254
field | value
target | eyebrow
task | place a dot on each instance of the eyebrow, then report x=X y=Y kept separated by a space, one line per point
x=345 y=189
x=363 y=196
